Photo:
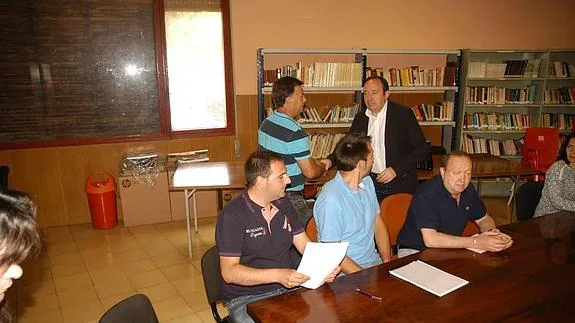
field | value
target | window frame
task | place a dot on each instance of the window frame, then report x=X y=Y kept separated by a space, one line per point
x=158 y=16
x=162 y=68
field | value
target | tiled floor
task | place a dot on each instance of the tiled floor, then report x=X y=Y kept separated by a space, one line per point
x=82 y=271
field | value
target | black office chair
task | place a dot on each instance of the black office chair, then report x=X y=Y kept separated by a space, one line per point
x=213 y=280
x=4 y=171
x=134 y=309
x=527 y=198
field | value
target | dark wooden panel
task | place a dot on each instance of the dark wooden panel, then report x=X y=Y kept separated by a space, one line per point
x=530 y=282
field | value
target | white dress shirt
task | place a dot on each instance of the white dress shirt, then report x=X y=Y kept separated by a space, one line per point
x=376 y=130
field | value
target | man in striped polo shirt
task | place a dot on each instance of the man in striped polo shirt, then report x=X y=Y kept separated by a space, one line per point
x=281 y=134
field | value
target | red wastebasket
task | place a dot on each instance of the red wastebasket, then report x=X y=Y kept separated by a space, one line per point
x=101 y=193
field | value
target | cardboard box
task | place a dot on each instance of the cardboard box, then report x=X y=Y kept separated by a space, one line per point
x=228 y=195
x=142 y=203
x=207 y=203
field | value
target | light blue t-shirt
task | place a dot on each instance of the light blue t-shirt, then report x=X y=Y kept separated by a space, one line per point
x=343 y=214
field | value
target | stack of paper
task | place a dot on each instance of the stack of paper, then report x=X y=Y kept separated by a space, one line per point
x=319 y=260
x=427 y=277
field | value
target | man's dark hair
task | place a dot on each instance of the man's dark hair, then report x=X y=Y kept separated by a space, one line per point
x=445 y=158
x=259 y=164
x=282 y=88
x=350 y=150
x=381 y=79
x=563 y=150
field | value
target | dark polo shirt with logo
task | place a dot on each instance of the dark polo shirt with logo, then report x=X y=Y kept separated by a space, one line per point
x=242 y=231
x=433 y=207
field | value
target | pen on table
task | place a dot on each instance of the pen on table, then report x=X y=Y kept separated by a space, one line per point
x=377 y=298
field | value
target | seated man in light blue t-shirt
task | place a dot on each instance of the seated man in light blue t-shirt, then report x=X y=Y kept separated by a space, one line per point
x=347 y=209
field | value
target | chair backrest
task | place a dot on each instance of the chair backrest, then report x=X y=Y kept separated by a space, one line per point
x=212 y=280
x=540 y=148
x=4 y=171
x=470 y=229
x=527 y=198
x=134 y=309
x=311 y=229
x=309 y=191
x=394 y=211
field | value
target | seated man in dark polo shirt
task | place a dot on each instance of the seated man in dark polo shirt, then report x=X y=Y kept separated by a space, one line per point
x=254 y=234
x=441 y=208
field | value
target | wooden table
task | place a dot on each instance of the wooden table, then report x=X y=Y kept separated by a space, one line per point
x=530 y=282
x=489 y=166
x=191 y=177
x=484 y=166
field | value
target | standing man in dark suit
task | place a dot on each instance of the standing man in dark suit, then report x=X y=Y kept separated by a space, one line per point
x=397 y=140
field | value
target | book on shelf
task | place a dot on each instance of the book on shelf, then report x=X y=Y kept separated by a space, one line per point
x=336 y=114
x=496 y=121
x=561 y=121
x=415 y=76
x=560 y=69
x=500 y=95
x=319 y=74
x=321 y=145
x=440 y=111
x=526 y=68
x=505 y=147
x=427 y=162
x=563 y=95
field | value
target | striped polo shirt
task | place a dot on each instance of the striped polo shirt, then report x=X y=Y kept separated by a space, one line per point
x=283 y=135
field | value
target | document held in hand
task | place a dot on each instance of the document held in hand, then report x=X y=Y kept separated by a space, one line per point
x=319 y=260
x=427 y=277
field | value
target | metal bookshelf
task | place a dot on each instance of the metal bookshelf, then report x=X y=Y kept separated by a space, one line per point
x=361 y=55
x=543 y=82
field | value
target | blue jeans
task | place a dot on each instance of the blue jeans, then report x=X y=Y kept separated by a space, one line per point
x=381 y=190
x=237 y=306
x=303 y=211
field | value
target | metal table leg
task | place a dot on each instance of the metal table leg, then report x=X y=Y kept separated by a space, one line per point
x=513 y=194
x=479 y=187
x=186 y=199
x=195 y=213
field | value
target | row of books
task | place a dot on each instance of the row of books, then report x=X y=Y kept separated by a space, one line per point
x=415 y=76
x=496 y=121
x=561 y=121
x=321 y=145
x=319 y=74
x=560 y=69
x=507 y=147
x=335 y=114
x=564 y=95
x=500 y=95
x=509 y=68
x=441 y=111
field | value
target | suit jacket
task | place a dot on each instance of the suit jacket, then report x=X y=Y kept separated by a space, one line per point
x=405 y=145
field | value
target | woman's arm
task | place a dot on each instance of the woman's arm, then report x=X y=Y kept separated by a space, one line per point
x=557 y=187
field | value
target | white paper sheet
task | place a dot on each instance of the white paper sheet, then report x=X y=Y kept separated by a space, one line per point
x=427 y=277
x=319 y=260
